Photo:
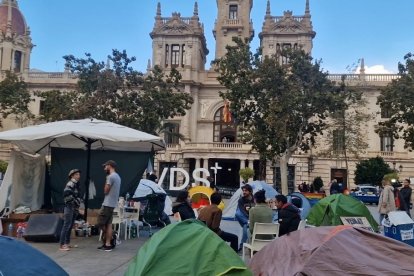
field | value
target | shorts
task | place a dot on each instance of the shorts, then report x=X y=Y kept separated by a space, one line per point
x=105 y=215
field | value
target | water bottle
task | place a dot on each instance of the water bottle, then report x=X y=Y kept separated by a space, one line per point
x=10 y=230
x=127 y=199
x=19 y=232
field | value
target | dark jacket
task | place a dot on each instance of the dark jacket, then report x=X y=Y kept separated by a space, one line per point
x=185 y=210
x=406 y=195
x=243 y=203
x=71 y=194
x=403 y=206
x=289 y=219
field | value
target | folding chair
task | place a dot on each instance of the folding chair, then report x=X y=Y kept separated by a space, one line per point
x=152 y=213
x=131 y=218
x=257 y=242
x=302 y=224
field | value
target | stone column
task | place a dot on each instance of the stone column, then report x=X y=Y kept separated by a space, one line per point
x=186 y=121
x=205 y=165
x=242 y=166
x=194 y=114
x=197 y=165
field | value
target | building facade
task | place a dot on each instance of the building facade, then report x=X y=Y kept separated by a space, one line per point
x=209 y=142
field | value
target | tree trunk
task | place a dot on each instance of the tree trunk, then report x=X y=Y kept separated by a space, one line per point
x=284 y=173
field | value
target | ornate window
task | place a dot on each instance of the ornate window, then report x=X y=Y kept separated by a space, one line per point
x=233 y=12
x=224 y=132
x=387 y=142
x=175 y=55
x=338 y=136
x=17 y=61
x=171 y=134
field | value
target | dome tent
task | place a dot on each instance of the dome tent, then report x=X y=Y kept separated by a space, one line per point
x=329 y=210
x=186 y=248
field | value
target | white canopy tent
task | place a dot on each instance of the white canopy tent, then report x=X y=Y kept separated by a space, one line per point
x=88 y=134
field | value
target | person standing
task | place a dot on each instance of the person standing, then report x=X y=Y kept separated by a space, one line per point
x=261 y=212
x=111 y=191
x=72 y=200
x=211 y=216
x=406 y=192
x=242 y=213
x=386 y=202
x=288 y=215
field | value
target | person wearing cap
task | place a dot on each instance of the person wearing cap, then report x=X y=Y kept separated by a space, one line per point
x=111 y=191
x=72 y=200
x=242 y=213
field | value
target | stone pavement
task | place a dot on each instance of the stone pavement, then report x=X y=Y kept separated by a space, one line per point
x=88 y=260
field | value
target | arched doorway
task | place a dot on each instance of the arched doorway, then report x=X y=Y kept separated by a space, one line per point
x=224 y=131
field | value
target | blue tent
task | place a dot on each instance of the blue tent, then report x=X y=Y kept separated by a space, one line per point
x=300 y=201
x=19 y=258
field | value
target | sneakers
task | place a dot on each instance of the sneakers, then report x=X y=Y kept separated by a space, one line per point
x=106 y=248
x=64 y=247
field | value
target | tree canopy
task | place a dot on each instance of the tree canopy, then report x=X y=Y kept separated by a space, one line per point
x=397 y=102
x=118 y=93
x=14 y=98
x=371 y=171
x=280 y=102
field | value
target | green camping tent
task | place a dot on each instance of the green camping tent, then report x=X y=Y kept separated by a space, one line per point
x=186 y=248
x=329 y=210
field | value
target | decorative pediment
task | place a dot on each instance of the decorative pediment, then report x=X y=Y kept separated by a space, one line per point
x=175 y=25
x=288 y=24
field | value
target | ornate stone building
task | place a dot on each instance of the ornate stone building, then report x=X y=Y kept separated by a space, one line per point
x=209 y=142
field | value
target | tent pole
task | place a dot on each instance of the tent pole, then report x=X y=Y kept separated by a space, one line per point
x=87 y=180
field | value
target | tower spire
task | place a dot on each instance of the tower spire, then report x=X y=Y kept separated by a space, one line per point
x=196 y=8
x=268 y=8
x=159 y=9
x=307 y=10
x=362 y=69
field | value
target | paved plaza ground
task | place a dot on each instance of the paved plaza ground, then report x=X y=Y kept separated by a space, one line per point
x=88 y=260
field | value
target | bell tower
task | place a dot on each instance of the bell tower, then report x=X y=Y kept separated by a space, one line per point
x=233 y=20
x=15 y=41
x=287 y=31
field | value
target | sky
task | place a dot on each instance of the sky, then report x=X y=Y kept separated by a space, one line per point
x=380 y=31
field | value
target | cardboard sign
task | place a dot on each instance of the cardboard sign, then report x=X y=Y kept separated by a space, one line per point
x=361 y=222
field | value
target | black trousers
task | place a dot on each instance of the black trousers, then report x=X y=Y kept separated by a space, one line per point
x=233 y=239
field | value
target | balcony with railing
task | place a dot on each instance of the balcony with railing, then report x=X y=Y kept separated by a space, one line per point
x=389 y=154
x=218 y=147
x=364 y=79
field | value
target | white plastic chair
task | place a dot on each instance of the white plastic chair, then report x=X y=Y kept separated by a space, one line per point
x=117 y=220
x=130 y=218
x=302 y=224
x=271 y=229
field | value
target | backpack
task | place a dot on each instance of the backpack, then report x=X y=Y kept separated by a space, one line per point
x=115 y=239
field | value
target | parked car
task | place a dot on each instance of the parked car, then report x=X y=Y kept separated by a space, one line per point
x=366 y=193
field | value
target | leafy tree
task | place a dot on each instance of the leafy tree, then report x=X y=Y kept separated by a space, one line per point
x=317 y=183
x=14 y=98
x=280 y=107
x=246 y=173
x=3 y=166
x=345 y=133
x=397 y=99
x=57 y=106
x=371 y=171
x=120 y=94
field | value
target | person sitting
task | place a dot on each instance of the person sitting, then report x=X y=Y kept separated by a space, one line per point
x=183 y=207
x=242 y=212
x=261 y=212
x=288 y=215
x=211 y=216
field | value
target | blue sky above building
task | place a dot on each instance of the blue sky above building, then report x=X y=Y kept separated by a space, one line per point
x=379 y=31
